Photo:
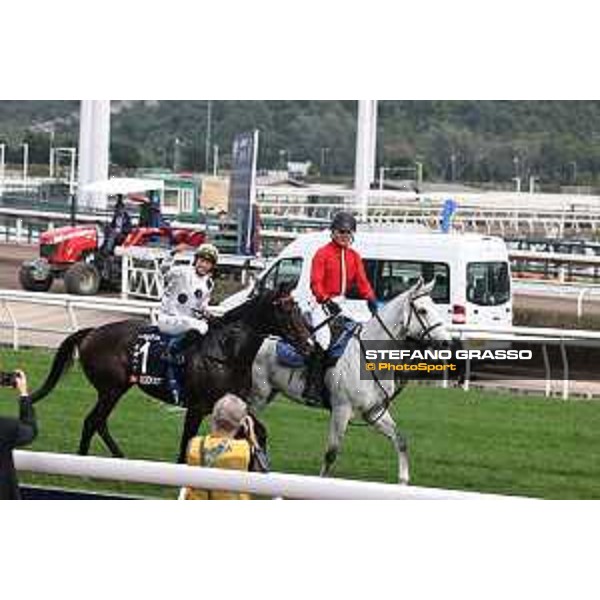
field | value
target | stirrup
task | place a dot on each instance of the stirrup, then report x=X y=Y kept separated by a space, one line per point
x=176 y=396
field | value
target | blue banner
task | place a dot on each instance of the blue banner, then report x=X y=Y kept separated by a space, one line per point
x=242 y=189
x=447 y=214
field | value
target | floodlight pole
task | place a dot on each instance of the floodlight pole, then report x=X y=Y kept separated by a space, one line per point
x=366 y=144
x=25 y=161
x=94 y=138
x=215 y=160
x=2 y=165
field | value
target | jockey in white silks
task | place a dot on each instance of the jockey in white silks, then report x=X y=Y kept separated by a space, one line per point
x=184 y=306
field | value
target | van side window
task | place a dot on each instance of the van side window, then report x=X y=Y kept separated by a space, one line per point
x=287 y=271
x=488 y=283
x=392 y=277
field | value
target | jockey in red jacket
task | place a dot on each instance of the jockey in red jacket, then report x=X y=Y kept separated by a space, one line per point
x=336 y=268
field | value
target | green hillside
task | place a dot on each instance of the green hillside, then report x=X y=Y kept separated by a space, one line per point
x=479 y=141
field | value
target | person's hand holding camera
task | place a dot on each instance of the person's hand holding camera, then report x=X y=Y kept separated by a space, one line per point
x=248 y=427
x=21 y=383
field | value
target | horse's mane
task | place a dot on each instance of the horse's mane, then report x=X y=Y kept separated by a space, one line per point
x=238 y=313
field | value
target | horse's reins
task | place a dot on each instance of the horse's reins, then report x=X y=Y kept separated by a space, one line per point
x=382 y=408
x=326 y=321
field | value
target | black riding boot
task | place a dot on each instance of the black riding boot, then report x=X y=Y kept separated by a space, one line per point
x=315 y=372
x=173 y=360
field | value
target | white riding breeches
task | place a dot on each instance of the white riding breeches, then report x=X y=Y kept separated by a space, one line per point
x=177 y=324
x=323 y=334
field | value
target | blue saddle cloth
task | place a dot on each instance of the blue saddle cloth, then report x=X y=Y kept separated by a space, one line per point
x=147 y=362
x=288 y=356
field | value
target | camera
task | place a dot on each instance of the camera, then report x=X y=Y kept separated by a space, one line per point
x=8 y=379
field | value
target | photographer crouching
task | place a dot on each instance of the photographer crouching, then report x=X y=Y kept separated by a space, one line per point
x=231 y=444
x=15 y=433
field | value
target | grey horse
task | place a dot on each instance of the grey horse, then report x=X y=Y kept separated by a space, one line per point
x=412 y=314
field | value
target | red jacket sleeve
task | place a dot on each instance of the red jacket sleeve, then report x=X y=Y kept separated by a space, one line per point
x=365 y=290
x=317 y=276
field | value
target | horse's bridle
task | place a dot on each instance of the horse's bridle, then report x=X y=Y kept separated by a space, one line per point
x=375 y=413
x=426 y=330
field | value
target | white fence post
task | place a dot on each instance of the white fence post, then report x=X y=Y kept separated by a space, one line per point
x=19 y=230
x=72 y=317
x=14 y=322
x=580 y=302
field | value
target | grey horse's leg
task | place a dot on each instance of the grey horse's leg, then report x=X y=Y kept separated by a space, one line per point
x=338 y=423
x=387 y=426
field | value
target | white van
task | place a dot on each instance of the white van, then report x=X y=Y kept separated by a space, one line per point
x=472 y=271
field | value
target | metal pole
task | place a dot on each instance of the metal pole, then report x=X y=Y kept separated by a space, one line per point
x=517 y=181
x=25 y=161
x=51 y=157
x=2 y=165
x=361 y=169
x=532 y=181
x=381 y=174
x=215 y=160
x=419 y=174
x=93 y=153
x=548 y=389
x=72 y=172
x=208 y=135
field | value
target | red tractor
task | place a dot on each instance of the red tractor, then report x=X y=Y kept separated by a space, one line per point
x=76 y=255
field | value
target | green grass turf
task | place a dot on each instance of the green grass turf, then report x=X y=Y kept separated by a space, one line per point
x=485 y=442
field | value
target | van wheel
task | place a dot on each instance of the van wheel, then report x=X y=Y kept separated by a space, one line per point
x=82 y=279
x=33 y=285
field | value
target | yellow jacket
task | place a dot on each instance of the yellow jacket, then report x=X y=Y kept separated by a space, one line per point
x=220 y=453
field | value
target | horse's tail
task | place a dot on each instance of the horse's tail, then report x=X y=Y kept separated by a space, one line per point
x=63 y=359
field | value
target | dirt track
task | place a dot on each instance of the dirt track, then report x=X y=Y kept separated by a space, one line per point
x=12 y=255
x=36 y=315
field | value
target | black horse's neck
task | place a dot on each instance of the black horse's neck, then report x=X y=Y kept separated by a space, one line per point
x=239 y=333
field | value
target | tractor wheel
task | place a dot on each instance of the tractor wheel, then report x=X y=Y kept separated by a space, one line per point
x=82 y=279
x=30 y=284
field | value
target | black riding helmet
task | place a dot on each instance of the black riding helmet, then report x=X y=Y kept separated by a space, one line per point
x=343 y=221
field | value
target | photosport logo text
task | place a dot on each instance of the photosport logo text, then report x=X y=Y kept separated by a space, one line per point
x=389 y=360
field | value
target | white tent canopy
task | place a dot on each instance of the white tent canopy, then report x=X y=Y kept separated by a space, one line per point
x=124 y=186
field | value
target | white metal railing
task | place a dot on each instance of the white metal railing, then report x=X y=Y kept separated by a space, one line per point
x=70 y=304
x=142 y=275
x=273 y=485
x=488 y=212
x=542 y=336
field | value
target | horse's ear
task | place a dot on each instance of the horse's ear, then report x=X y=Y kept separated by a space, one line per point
x=255 y=289
x=284 y=289
x=417 y=288
x=427 y=287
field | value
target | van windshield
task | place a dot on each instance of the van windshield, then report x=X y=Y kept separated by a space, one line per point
x=488 y=283
x=392 y=277
x=286 y=271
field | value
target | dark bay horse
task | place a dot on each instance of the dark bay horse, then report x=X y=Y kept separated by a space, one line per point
x=219 y=362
